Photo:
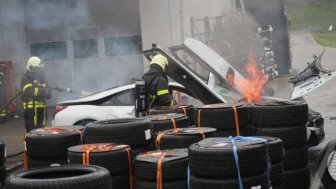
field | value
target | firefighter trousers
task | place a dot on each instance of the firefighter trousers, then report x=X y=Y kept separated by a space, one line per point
x=34 y=118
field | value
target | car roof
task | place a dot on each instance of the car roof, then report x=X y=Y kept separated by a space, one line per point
x=108 y=92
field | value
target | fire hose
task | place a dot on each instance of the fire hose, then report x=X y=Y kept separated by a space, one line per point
x=57 y=88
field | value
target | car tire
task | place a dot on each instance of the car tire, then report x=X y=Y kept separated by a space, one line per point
x=187 y=110
x=115 y=160
x=182 y=138
x=275 y=149
x=64 y=177
x=179 y=184
x=163 y=122
x=294 y=179
x=292 y=137
x=174 y=166
x=248 y=182
x=46 y=143
x=46 y=162
x=296 y=158
x=2 y=175
x=221 y=116
x=210 y=159
x=2 y=153
x=277 y=174
x=279 y=114
x=134 y=132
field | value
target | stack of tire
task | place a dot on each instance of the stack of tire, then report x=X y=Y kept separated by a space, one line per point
x=161 y=122
x=63 y=177
x=2 y=163
x=49 y=146
x=223 y=163
x=115 y=158
x=187 y=110
x=287 y=121
x=181 y=138
x=162 y=169
x=134 y=132
x=228 y=119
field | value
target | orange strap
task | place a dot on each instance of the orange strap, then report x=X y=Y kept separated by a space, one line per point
x=201 y=132
x=86 y=156
x=158 y=140
x=25 y=162
x=174 y=123
x=184 y=111
x=199 y=118
x=129 y=168
x=159 y=172
x=236 y=120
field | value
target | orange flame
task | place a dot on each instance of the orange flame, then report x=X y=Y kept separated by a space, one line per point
x=252 y=87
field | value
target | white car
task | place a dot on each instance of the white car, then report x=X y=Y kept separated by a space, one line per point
x=118 y=102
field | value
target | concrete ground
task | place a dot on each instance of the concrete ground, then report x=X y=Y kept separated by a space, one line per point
x=302 y=46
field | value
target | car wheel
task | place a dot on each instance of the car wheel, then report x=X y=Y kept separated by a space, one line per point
x=84 y=122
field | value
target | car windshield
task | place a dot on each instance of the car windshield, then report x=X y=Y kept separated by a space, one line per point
x=203 y=71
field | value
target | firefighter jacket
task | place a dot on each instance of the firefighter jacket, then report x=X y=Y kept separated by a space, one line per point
x=34 y=96
x=157 y=87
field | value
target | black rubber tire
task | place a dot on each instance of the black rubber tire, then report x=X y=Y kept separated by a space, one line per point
x=296 y=179
x=279 y=114
x=49 y=144
x=296 y=158
x=242 y=132
x=221 y=116
x=116 y=161
x=65 y=177
x=121 y=181
x=134 y=132
x=2 y=175
x=189 y=109
x=180 y=184
x=327 y=180
x=180 y=139
x=163 y=122
x=248 y=182
x=136 y=151
x=292 y=137
x=172 y=169
x=46 y=162
x=219 y=162
x=275 y=149
x=2 y=152
x=277 y=172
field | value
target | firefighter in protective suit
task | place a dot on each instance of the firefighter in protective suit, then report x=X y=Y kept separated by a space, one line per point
x=157 y=82
x=34 y=94
x=3 y=116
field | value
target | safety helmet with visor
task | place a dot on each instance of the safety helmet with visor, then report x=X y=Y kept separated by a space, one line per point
x=160 y=60
x=34 y=64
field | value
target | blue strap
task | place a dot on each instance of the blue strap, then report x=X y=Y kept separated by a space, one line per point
x=188 y=177
x=235 y=153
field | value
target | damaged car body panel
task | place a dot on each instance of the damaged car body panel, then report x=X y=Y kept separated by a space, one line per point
x=311 y=78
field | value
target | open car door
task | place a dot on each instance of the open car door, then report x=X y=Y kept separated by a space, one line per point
x=311 y=78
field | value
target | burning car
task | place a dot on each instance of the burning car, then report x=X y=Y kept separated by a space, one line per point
x=203 y=74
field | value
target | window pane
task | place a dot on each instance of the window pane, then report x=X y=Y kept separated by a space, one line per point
x=87 y=48
x=130 y=45
x=49 y=51
x=125 y=98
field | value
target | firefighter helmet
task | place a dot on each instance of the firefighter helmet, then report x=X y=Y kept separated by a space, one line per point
x=33 y=63
x=161 y=61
